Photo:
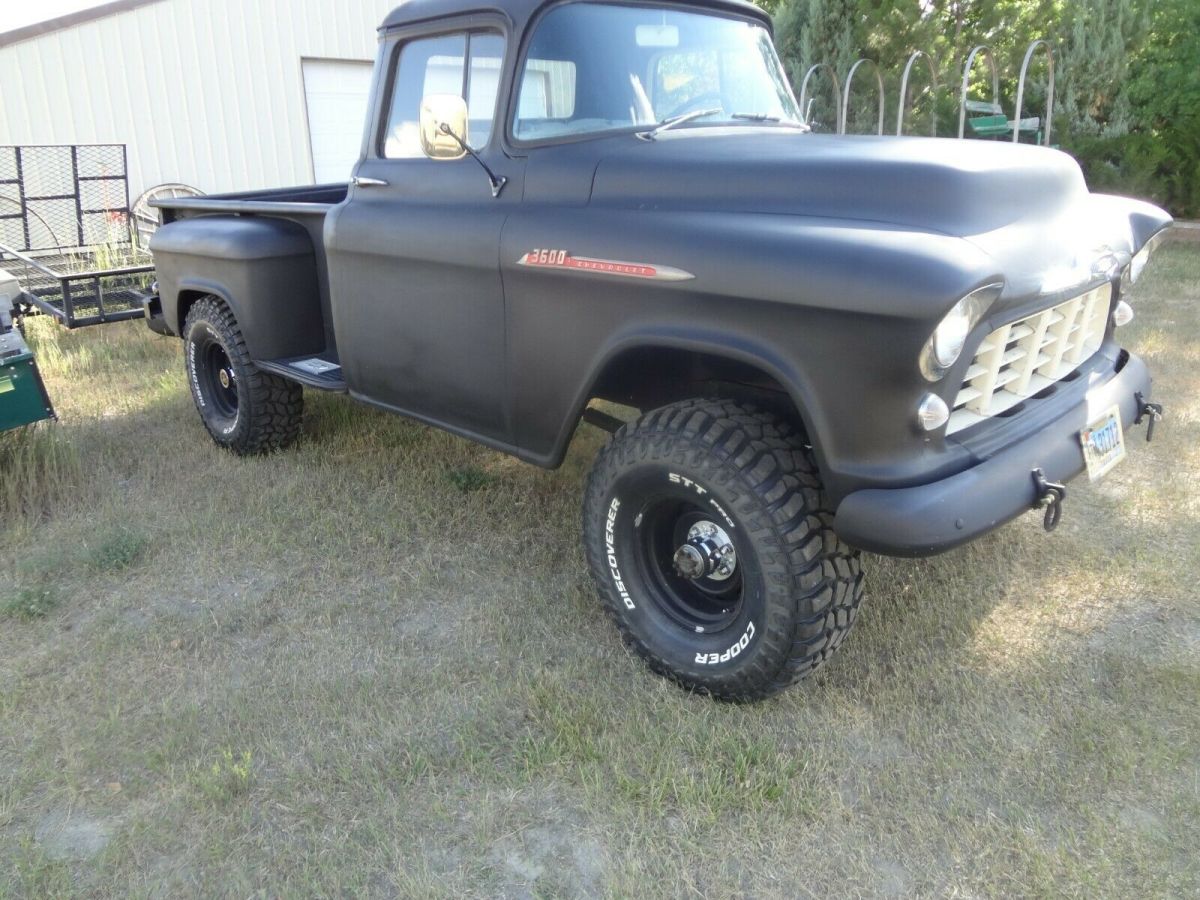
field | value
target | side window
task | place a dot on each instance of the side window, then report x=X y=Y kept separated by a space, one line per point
x=465 y=64
x=486 y=53
x=547 y=90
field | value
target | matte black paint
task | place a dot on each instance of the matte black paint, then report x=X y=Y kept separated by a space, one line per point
x=263 y=268
x=822 y=264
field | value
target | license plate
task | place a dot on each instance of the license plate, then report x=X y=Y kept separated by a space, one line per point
x=1103 y=443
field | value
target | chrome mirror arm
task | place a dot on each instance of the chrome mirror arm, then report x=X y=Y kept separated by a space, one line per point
x=497 y=181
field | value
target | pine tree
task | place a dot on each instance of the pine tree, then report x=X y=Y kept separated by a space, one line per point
x=1093 y=64
x=808 y=32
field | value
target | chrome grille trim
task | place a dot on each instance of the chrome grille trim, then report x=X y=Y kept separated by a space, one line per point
x=1024 y=357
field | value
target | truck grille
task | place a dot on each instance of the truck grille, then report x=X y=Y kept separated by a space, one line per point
x=1024 y=357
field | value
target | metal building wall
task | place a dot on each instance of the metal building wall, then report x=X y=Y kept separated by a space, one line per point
x=207 y=92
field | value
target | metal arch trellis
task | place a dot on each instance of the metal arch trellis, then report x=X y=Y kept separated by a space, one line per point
x=962 y=101
x=1021 y=90
x=933 y=86
x=837 y=90
x=846 y=94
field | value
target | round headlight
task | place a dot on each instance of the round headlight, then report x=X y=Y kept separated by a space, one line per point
x=946 y=343
x=951 y=335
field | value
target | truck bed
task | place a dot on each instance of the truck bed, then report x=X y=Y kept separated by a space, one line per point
x=287 y=202
x=306 y=206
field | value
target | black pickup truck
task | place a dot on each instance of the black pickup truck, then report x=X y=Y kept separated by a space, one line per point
x=836 y=343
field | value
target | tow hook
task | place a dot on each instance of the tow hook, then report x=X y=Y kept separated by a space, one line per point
x=1050 y=497
x=1152 y=412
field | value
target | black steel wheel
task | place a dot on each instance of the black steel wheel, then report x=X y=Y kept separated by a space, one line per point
x=711 y=541
x=218 y=379
x=245 y=410
x=690 y=563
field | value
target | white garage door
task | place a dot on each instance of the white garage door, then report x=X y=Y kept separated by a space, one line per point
x=336 y=93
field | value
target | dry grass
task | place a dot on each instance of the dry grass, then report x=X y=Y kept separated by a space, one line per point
x=375 y=665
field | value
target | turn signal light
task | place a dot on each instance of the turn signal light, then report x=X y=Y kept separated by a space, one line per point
x=932 y=413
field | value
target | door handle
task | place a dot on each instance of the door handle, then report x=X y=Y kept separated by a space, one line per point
x=362 y=181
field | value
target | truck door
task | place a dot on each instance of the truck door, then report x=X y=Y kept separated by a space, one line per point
x=418 y=305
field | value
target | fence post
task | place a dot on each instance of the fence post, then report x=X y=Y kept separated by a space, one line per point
x=837 y=91
x=846 y=93
x=933 y=86
x=962 y=100
x=1049 y=90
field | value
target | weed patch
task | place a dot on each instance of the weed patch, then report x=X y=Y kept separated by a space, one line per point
x=229 y=776
x=470 y=478
x=29 y=604
x=118 y=550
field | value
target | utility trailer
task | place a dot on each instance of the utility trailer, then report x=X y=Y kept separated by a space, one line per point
x=67 y=250
x=66 y=235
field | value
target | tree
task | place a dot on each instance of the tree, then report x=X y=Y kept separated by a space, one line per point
x=888 y=31
x=1101 y=37
x=817 y=31
x=1164 y=95
x=1127 y=74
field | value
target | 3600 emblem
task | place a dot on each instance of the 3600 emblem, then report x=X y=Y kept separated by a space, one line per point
x=545 y=258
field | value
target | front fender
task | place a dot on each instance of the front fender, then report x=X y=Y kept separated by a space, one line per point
x=835 y=311
x=713 y=344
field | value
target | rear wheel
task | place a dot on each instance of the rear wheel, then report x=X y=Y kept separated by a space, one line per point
x=711 y=540
x=245 y=410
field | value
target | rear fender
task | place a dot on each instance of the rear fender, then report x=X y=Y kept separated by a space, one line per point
x=264 y=269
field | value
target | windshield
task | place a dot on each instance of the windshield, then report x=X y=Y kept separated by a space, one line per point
x=592 y=67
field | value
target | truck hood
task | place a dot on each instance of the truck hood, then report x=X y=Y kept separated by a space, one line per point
x=1027 y=207
x=953 y=187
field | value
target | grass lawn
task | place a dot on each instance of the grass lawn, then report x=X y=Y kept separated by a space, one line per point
x=375 y=665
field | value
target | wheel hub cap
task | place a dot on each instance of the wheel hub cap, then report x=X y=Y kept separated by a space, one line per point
x=225 y=377
x=707 y=553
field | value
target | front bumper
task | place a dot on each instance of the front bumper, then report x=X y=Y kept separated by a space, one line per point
x=932 y=518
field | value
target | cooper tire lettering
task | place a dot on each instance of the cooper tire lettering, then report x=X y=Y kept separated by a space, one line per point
x=732 y=652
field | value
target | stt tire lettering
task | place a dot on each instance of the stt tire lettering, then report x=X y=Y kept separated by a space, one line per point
x=686 y=482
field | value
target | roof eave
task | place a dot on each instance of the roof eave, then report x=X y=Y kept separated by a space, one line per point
x=38 y=29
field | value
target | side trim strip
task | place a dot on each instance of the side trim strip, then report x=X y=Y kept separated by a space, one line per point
x=561 y=259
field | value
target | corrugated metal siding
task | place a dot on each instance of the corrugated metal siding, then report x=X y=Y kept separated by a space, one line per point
x=207 y=92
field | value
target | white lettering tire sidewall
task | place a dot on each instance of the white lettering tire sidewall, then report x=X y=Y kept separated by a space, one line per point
x=223 y=428
x=700 y=655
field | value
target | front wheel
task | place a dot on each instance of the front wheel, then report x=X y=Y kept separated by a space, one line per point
x=708 y=533
x=245 y=410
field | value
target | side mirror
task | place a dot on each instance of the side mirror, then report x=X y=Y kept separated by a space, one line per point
x=444 y=126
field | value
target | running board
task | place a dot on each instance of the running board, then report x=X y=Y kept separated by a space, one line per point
x=311 y=371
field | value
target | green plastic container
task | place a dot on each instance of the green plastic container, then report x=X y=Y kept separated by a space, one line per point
x=23 y=397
